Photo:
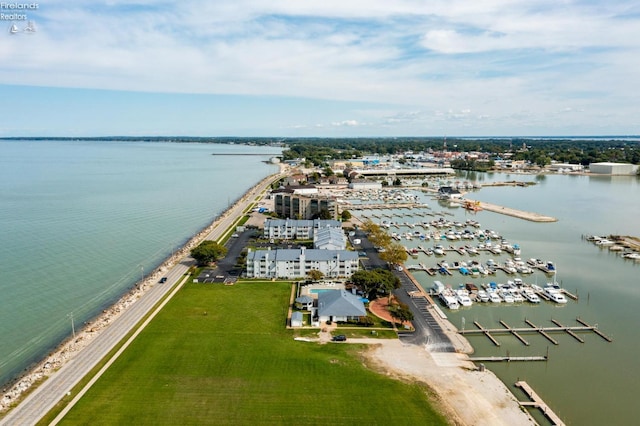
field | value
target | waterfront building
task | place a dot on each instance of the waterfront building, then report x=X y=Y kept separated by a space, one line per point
x=303 y=203
x=448 y=192
x=293 y=229
x=297 y=263
x=363 y=184
x=613 y=168
x=558 y=167
x=339 y=305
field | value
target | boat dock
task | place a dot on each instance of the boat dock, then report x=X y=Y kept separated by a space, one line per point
x=538 y=402
x=507 y=358
x=521 y=214
x=544 y=331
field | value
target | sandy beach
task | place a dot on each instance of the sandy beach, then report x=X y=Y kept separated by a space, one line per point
x=464 y=394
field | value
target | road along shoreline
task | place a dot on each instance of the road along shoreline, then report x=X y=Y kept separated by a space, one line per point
x=38 y=376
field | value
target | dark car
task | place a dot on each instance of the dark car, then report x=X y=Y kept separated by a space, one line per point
x=339 y=338
x=163 y=280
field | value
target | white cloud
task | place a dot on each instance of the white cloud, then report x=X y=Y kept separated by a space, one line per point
x=485 y=57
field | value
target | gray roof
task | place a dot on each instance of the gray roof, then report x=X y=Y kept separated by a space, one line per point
x=310 y=254
x=304 y=299
x=334 y=236
x=296 y=316
x=340 y=303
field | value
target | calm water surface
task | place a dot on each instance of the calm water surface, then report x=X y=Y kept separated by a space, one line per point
x=80 y=222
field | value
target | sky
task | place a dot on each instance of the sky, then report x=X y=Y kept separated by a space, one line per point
x=320 y=68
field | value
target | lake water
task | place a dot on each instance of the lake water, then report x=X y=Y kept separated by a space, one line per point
x=82 y=221
x=591 y=383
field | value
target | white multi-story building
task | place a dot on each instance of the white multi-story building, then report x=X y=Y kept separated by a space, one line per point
x=297 y=263
x=288 y=229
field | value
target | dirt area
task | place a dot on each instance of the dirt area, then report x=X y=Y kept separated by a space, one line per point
x=465 y=395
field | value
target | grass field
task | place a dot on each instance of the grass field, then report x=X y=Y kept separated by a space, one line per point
x=221 y=355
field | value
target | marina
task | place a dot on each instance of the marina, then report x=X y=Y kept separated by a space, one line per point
x=544 y=331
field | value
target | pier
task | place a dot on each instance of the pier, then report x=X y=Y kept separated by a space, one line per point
x=507 y=358
x=538 y=402
x=521 y=214
x=489 y=332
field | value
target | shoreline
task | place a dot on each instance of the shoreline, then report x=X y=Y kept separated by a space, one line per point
x=14 y=390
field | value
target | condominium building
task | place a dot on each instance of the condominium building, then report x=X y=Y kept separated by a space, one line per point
x=297 y=263
x=290 y=203
x=288 y=229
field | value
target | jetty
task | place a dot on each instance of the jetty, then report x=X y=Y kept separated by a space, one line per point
x=544 y=331
x=538 y=402
x=521 y=214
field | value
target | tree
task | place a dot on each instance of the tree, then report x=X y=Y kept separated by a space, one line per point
x=207 y=252
x=376 y=281
x=397 y=182
x=345 y=215
x=400 y=312
x=394 y=253
x=324 y=214
x=315 y=275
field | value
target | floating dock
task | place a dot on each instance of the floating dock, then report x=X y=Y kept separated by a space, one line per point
x=507 y=358
x=538 y=402
x=489 y=332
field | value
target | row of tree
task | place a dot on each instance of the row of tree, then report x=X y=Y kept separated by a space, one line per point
x=538 y=151
x=390 y=251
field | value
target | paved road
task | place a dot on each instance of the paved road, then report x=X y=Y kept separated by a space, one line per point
x=427 y=328
x=43 y=399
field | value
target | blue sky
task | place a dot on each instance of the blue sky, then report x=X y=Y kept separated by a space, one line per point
x=322 y=68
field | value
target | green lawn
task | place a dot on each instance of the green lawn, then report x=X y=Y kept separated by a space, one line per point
x=221 y=355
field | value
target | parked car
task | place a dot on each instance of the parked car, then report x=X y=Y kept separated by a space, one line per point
x=339 y=338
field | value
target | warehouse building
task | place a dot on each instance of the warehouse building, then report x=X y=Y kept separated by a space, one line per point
x=613 y=168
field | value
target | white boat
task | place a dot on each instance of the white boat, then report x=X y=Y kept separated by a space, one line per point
x=517 y=297
x=494 y=298
x=555 y=295
x=462 y=296
x=633 y=256
x=550 y=268
x=506 y=296
x=530 y=295
x=449 y=299
x=483 y=296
